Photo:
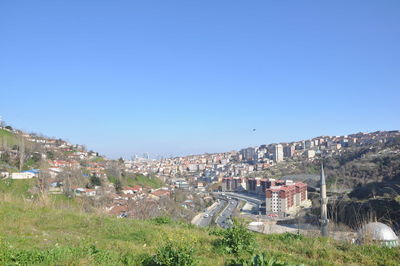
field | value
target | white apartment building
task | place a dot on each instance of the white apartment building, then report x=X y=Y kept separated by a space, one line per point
x=278 y=153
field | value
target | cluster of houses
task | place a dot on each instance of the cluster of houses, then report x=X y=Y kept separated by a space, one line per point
x=230 y=168
x=68 y=157
x=211 y=168
x=121 y=205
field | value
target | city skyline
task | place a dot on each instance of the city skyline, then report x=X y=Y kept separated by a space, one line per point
x=279 y=149
x=189 y=78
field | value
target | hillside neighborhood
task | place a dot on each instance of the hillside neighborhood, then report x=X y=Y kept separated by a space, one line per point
x=139 y=187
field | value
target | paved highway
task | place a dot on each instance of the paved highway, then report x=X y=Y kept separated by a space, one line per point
x=255 y=199
x=208 y=215
x=224 y=219
x=228 y=202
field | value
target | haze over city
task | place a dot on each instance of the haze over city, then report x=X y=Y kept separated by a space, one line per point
x=178 y=77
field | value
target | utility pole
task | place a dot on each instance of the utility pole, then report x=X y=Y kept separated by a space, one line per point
x=324 y=201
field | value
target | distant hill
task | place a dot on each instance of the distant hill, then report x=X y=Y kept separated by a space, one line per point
x=352 y=168
x=361 y=166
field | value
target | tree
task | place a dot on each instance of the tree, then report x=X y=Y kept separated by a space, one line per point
x=118 y=185
x=42 y=181
x=21 y=153
x=36 y=157
x=95 y=181
x=144 y=209
x=71 y=177
x=5 y=157
x=5 y=144
x=50 y=155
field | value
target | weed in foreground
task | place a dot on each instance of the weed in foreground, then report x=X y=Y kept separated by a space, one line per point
x=173 y=253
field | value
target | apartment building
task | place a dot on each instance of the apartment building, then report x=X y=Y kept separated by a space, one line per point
x=232 y=184
x=283 y=200
x=278 y=153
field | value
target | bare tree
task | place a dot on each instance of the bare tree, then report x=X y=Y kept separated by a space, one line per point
x=70 y=178
x=42 y=181
x=4 y=142
x=21 y=153
x=144 y=209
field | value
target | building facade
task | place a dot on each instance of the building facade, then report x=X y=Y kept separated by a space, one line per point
x=283 y=200
x=232 y=184
x=278 y=153
x=288 y=151
x=248 y=154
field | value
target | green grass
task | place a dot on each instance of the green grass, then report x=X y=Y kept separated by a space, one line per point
x=9 y=137
x=97 y=159
x=16 y=188
x=137 y=179
x=58 y=232
x=31 y=164
x=145 y=181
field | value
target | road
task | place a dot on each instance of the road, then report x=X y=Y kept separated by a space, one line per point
x=207 y=216
x=224 y=218
x=252 y=200
x=255 y=199
x=228 y=202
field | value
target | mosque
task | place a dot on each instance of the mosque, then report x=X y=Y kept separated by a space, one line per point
x=374 y=232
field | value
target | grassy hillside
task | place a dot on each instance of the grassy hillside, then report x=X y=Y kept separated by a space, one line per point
x=8 y=137
x=138 y=179
x=16 y=188
x=145 y=181
x=54 y=231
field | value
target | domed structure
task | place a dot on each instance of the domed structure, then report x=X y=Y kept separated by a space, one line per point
x=377 y=233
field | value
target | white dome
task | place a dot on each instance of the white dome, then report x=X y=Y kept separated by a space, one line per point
x=377 y=232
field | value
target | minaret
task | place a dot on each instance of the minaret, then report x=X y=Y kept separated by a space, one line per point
x=324 y=201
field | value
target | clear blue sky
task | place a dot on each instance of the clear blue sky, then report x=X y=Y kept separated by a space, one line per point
x=183 y=77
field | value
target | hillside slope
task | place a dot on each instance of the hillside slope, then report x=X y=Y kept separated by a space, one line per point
x=7 y=138
x=48 y=230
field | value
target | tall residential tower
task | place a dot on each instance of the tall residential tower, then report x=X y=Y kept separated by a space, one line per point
x=278 y=153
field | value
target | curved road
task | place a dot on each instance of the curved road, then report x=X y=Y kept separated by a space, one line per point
x=224 y=218
x=207 y=216
x=255 y=199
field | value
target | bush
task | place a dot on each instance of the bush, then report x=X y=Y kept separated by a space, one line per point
x=95 y=181
x=173 y=253
x=162 y=220
x=235 y=240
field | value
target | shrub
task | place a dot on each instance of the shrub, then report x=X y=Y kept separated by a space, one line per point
x=235 y=240
x=95 y=181
x=173 y=253
x=162 y=220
